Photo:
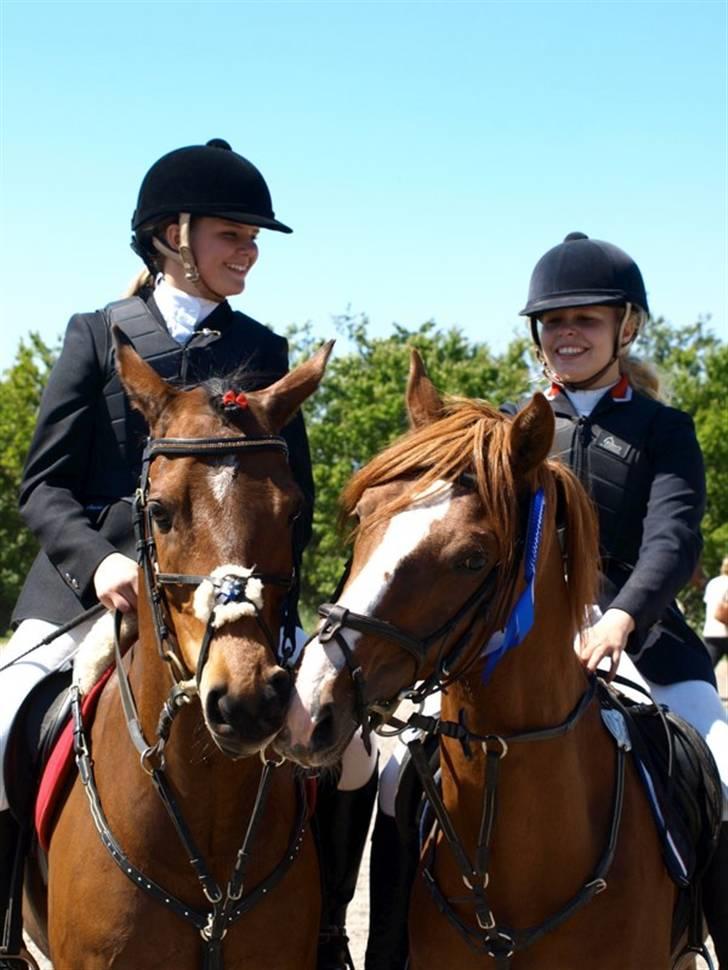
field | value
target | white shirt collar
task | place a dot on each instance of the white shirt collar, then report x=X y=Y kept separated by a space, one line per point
x=181 y=311
x=585 y=401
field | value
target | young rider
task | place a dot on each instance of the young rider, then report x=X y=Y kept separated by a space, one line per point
x=641 y=462
x=195 y=226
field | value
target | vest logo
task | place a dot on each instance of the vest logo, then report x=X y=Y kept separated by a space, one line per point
x=613 y=445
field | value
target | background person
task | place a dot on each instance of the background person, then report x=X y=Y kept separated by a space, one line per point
x=715 y=631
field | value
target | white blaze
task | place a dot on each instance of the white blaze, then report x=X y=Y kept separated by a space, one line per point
x=222 y=477
x=404 y=533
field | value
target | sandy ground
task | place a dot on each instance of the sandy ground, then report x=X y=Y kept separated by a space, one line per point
x=358 y=917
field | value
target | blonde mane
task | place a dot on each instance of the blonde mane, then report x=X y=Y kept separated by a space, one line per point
x=472 y=438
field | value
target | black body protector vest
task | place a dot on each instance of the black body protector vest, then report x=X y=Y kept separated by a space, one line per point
x=170 y=360
x=606 y=450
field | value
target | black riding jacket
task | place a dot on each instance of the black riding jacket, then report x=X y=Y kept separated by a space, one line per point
x=641 y=463
x=85 y=455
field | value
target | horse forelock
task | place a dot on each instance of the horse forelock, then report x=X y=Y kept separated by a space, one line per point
x=472 y=438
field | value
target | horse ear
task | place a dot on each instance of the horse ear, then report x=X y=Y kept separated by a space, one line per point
x=531 y=435
x=147 y=391
x=424 y=404
x=281 y=400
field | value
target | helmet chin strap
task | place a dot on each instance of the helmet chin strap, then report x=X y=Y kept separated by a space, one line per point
x=186 y=258
x=618 y=351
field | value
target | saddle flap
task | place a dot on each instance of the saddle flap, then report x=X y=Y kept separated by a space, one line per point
x=36 y=725
x=682 y=784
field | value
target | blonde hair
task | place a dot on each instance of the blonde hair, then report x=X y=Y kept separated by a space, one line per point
x=724 y=566
x=643 y=377
x=142 y=281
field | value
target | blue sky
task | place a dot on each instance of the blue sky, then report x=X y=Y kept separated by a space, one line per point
x=426 y=154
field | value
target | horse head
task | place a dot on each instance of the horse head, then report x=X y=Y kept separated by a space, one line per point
x=439 y=522
x=215 y=514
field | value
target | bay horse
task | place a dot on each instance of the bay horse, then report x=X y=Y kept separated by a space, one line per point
x=542 y=852
x=218 y=872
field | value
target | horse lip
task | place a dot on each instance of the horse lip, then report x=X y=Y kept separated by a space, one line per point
x=236 y=749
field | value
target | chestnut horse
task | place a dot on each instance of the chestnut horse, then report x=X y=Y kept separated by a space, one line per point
x=220 y=871
x=542 y=853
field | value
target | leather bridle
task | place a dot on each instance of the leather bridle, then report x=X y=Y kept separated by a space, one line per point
x=491 y=938
x=229 y=903
x=227 y=588
x=337 y=619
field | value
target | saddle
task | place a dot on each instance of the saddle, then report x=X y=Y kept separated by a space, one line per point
x=681 y=782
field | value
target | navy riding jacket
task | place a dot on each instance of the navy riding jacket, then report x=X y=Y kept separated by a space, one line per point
x=85 y=455
x=641 y=463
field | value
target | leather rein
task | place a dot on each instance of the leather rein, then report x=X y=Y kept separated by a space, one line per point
x=229 y=904
x=497 y=941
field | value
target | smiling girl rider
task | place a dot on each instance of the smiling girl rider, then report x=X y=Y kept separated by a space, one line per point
x=641 y=462
x=196 y=226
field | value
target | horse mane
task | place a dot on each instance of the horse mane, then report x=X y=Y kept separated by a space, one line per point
x=472 y=438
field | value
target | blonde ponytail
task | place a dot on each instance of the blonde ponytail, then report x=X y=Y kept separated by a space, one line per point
x=643 y=377
x=142 y=281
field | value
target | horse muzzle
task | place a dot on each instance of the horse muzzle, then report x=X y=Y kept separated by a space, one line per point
x=244 y=723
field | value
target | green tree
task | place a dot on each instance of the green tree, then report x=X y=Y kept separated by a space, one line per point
x=360 y=408
x=20 y=390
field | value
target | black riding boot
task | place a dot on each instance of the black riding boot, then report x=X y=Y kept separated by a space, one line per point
x=342 y=824
x=392 y=868
x=715 y=898
x=13 y=955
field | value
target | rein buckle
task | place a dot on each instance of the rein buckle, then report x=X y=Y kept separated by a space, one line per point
x=153 y=751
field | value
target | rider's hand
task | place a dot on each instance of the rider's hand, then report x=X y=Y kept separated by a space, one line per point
x=115 y=582
x=607 y=638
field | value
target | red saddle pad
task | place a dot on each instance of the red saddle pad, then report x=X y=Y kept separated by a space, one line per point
x=60 y=763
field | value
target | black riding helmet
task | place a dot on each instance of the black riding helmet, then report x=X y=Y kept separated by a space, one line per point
x=209 y=180
x=585 y=272
x=200 y=180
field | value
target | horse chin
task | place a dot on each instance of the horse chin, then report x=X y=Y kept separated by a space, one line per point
x=311 y=755
x=237 y=748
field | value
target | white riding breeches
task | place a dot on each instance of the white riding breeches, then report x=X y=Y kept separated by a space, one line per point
x=18 y=679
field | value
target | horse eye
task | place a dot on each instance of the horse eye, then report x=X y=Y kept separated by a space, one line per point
x=475 y=562
x=160 y=515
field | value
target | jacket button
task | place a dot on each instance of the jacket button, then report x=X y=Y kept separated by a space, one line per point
x=72 y=581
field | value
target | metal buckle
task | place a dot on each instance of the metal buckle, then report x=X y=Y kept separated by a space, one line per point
x=495 y=950
x=501 y=741
x=599 y=885
x=154 y=750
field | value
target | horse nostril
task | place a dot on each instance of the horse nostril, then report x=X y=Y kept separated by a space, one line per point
x=324 y=732
x=213 y=708
x=278 y=689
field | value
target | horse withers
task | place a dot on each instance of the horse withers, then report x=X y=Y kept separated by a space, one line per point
x=183 y=843
x=469 y=541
